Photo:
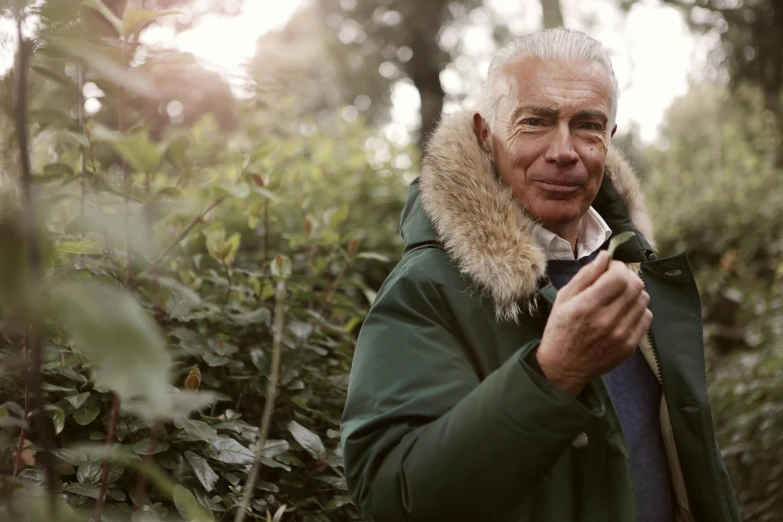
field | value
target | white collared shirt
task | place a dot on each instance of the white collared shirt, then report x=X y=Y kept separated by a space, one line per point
x=594 y=233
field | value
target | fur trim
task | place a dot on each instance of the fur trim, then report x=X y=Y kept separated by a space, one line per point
x=483 y=227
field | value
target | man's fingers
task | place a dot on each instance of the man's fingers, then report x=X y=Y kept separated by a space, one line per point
x=611 y=285
x=587 y=275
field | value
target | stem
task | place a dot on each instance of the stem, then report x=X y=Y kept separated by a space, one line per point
x=228 y=290
x=125 y=174
x=115 y=408
x=18 y=460
x=335 y=287
x=269 y=405
x=141 y=485
x=186 y=231
x=33 y=376
x=266 y=231
x=82 y=157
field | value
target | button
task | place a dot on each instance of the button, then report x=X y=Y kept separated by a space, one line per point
x=580 y=441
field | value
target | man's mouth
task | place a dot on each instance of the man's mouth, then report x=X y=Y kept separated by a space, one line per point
x=560 y=188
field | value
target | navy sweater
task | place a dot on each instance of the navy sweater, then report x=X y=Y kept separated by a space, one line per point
x=636 y=395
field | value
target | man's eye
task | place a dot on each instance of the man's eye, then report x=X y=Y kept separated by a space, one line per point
x=532 y=122
x=591 y=126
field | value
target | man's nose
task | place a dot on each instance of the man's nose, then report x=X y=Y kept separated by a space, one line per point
x=561 y=148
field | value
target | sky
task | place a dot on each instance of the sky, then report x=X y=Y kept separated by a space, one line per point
x=652 y=51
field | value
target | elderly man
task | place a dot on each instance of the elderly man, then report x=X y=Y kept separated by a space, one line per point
x=509 y=370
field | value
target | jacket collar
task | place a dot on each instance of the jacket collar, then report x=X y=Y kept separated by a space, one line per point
x=487 y=232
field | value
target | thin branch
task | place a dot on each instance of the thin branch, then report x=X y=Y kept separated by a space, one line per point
x=141 y=484
x=82 y=156
x=115 y=409
x=336 y=285
x=33 y=375
x=269 y=405
x=215 y=202
x=18 y=460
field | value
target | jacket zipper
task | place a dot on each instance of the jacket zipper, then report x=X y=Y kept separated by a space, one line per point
x=663 y=388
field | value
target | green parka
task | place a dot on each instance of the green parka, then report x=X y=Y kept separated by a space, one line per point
x=446 y=421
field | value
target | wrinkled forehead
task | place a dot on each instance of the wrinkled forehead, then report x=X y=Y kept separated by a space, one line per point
x=564 y=85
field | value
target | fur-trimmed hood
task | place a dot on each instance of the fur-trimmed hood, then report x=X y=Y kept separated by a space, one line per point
x=485 y=230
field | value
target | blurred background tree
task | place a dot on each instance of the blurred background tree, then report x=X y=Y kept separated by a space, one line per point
x=196 y=189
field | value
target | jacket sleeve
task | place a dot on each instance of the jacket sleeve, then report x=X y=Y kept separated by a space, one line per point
x=424 y=439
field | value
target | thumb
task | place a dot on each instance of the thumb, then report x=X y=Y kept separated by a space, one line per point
x=588 y=275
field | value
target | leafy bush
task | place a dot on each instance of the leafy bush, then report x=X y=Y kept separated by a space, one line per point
x=714 y=192
x=171 y=272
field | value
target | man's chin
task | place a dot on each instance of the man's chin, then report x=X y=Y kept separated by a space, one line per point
x=556 y=214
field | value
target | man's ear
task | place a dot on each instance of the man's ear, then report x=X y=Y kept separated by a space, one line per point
x=481 y=127
x=614 y=129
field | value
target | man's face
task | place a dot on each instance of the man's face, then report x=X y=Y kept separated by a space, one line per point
x=550 y=141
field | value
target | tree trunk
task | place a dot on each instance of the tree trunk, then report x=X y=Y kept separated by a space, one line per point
x=424 y=71
x=425 y=66
x=552 y=14
x=773 y=104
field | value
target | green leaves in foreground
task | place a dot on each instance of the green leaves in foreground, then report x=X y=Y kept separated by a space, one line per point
x=617 y=241
x=123 y=348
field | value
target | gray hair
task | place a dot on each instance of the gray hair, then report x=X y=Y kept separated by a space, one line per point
x=552 y=44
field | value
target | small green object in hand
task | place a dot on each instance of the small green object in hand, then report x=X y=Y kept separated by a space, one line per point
x=618 y=240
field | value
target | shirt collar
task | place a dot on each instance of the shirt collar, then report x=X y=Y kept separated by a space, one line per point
x=594 y=233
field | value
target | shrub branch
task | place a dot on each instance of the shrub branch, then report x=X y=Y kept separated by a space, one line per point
x=269 y=405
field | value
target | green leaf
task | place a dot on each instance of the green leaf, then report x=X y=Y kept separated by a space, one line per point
x=307 y=439
x=338 y=217
x=50 y=117
x=373 y=255
x=273 y=448
x=121 y=342
x=199 y=430
x=57 y=170
x=107 y=63
x=117 y=494
x=143 y=447
x=81 y=246
x=187 y=505
x=138 y=150
x=204 y=473
x=54 y=76
x=258 y=316
x=281 y=267
x=261 y=153
x=85 y=490
x=229 y=451
x=618 y=240
x=134 y=20
x=215 y=360
x=85 y=415
x=58 y=416
x=77 y=400
x=336 y=482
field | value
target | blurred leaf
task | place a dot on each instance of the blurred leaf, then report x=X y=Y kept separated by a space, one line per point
x=58 y=417
x=81 y=246
x=143 y=447
x=618 y=240
x=85 y=490
x=122 y=343
x=85 y=415
x=187 y=506
x=281 y=267
x=204 y=473
x=134 y=20
x=107 y=63
x=57 y=170
x=373 y=255
x=77 y=400
x=338 y=217
x=138 y=150
x=193 y=381
x=307 y=439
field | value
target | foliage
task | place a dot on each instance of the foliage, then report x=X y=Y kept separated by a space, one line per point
x=713 y=192
x=162 y=251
